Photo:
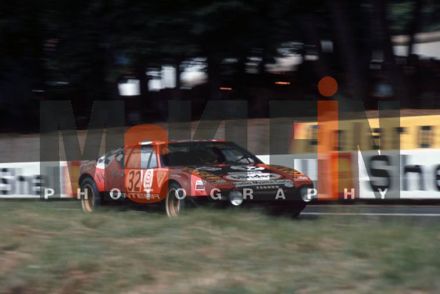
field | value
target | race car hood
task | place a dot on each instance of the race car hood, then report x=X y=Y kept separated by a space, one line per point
x=249 y=175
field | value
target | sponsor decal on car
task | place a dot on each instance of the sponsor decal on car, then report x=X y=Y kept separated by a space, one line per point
x=248 y=168
x=148 y=179
x=251 y=176
x=266 y=184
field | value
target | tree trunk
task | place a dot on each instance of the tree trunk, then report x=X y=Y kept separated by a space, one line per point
x=311 y=36
x=347 y=50
x=414 y=25
x=213 y=77
x=240 y=80
x=177 y=77
x=396 y=76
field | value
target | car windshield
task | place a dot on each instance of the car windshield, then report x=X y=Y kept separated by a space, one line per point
x=206 y=153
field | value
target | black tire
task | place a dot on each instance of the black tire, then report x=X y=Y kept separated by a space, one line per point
x=292 y=209
x=91 y=200
x=172 y=205
x=297 y=208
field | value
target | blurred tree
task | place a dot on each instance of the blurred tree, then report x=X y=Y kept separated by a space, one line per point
x=79 y=49
x=21 y=65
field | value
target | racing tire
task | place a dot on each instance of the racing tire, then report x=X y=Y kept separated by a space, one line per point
x=297 y=208
x=292 y=209
x=91 y=200
x=173 y=206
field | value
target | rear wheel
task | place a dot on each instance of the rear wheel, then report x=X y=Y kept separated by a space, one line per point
x=90 y=196
x=174 y=202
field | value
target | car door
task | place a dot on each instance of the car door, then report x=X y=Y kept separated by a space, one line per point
x=136 y=167
x=114 y=172
x=141 y=183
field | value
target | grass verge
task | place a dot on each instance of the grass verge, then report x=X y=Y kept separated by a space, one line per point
x=52 y=247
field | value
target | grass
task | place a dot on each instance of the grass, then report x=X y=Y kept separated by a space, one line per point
x=51 y=247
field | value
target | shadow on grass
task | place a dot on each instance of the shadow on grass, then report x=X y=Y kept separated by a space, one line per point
x=157 y=208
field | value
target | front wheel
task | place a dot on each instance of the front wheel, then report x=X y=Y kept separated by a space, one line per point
x=297 y=208
x=292 y=209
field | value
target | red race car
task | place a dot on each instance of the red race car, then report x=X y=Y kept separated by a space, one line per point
x=181 y=174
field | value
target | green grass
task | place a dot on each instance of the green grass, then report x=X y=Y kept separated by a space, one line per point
x=51 y=247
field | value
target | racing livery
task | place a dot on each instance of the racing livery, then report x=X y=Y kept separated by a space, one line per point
x=180 y=174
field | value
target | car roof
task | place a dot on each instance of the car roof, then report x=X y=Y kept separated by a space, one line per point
x=176 y=141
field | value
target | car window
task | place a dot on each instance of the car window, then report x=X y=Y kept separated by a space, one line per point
x=134 y=158
x=206 y=153
x=153 y=160
x=234 y=155
x=139 y=157
x=119 y=157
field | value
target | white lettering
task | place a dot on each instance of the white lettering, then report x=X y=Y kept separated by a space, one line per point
x=180 y=193
x=280 y=194
x=48 y=192
x=115 y=194
x=311 y=193
x=351 y=194
x=248 y=192
x=148 y=193
x=81 y=194
x=215 y=194
x=382 y=192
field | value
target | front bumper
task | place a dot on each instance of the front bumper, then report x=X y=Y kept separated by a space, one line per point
x=257 y=195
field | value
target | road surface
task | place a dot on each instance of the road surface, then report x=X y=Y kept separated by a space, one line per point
x=390 y=210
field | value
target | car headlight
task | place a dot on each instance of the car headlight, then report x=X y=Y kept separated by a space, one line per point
x=236 y=198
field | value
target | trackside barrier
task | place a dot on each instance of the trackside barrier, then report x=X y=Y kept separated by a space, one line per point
x=23 y=180
x=417 y=178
